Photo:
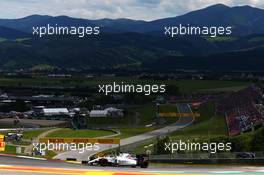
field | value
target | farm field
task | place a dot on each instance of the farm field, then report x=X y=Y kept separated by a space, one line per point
x=184 y=85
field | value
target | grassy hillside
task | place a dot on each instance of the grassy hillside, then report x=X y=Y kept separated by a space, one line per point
x=112 y=51
x=184 y=85
x=207 y=125
x=69 y=133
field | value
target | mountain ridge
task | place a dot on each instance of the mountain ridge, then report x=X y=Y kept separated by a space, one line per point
x=125 y=42
x=246 y=20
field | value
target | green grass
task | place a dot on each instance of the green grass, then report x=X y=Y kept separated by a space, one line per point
x=68 y=133
x=130 y=132
x=147 y=113
x=6 y=125
x=221 y=39
x=168 y=108
x=208 y=124
x=201 y=85
x=43 y=67
x=9 y=149
x=28 y=82
x=115 y=121
x=140 y=149
x=213 y=127
x=223 y=89
x=22 y=143
x=207 y=111
x=33 y=134
x=50 y=154
x=184 y=85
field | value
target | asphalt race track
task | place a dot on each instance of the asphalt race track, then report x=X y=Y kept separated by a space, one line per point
x=181 y=123
x=11 y=165
x=17 y=166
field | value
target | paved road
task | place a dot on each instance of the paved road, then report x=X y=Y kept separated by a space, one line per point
x=181 y=123
x=22 y=166
x=18 y=166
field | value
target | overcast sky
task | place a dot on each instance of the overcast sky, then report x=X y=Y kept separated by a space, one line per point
x=95 y=9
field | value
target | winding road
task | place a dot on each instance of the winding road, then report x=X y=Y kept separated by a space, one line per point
x=24 y=166
x=181 y=123
x=12 y=165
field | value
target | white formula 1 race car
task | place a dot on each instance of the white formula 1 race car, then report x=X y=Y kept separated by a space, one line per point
x=123 y=159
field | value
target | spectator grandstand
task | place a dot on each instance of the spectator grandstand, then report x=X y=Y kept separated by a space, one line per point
x=241 y=109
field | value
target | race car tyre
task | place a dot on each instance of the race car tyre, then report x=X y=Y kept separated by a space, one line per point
x=85 y=162
x=103 y=162
x=144 y=165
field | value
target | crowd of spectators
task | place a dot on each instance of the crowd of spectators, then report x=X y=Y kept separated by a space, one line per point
x=240 y=109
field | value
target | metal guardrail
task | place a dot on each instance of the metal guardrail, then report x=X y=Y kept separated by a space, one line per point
x=226 y=155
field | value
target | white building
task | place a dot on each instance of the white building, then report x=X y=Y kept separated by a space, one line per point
x=113 y=112
x=55 y=111
x=99 y=113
